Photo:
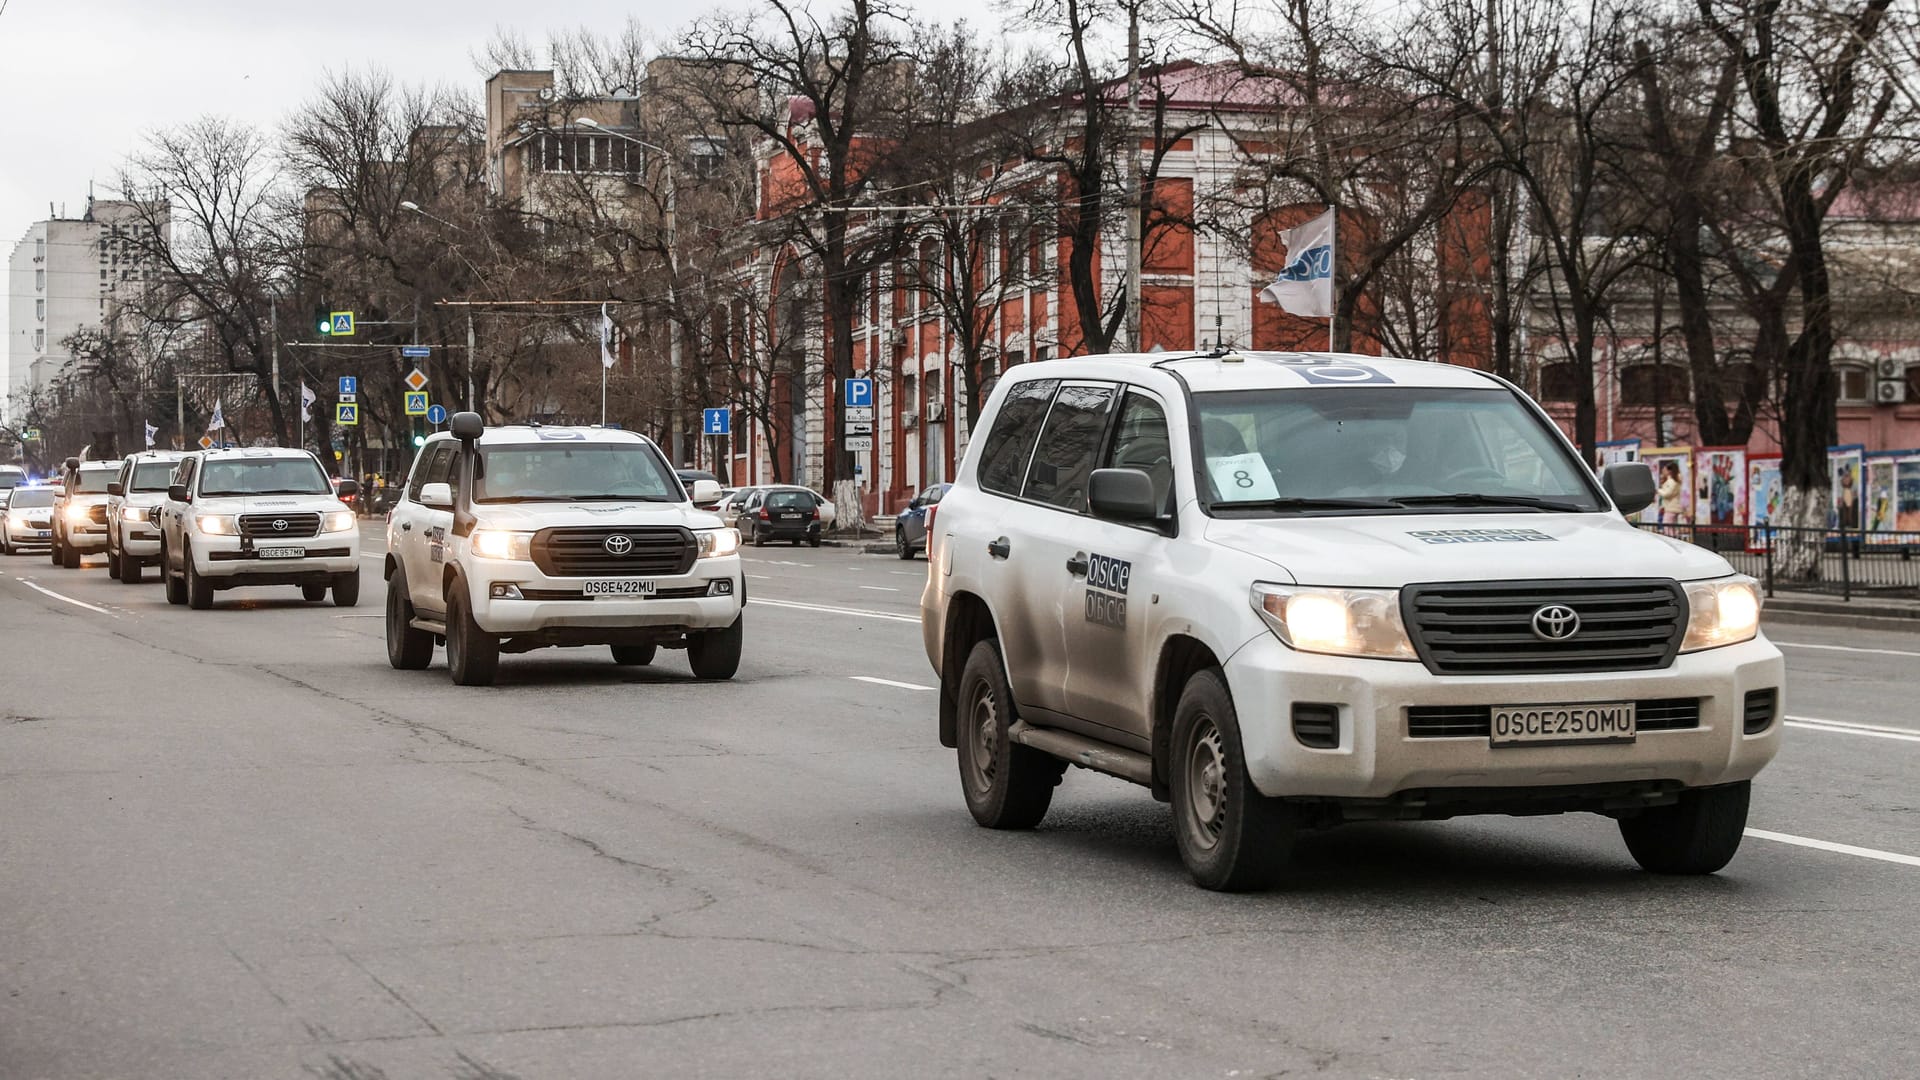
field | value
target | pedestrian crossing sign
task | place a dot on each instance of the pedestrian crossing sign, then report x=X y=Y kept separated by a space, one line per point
x=416 y=403
x=346 y=413
x=342 y=323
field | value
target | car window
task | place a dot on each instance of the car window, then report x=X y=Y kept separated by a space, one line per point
x=184 y=475
x=1140 y=442
x=29 y=497
x=150 y=475
x=439 y=468
x=575 y=472
x=1004 y=456
x=264 y=476
x=1064 y=456
x=93 y=481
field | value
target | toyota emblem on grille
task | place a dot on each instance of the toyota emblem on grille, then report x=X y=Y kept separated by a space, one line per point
x=618 y=545
x=279 y=524
x=1555 y=622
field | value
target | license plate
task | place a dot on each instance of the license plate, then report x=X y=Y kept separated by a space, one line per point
x=281 y=552
x=44 y=533
x=618 y=588
x=1537 y=725
x=789 y=517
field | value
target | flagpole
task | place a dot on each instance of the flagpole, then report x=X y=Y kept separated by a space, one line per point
x=1333 y=270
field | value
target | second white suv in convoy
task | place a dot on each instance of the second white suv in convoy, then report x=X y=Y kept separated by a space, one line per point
x=133 y=504
x=80 y=511
x=258 y=516
x=1287 y=590
x=510 y=539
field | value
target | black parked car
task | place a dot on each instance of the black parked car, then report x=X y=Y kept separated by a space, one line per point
x=781 y=514
x=910 y=528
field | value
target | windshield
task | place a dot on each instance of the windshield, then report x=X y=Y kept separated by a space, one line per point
x=30 y=497
x=153 y=475
x=790 y=500
x=94 y=481
x=11 y=477
x=1386 y=450
x=264 y=476
x=547 y=472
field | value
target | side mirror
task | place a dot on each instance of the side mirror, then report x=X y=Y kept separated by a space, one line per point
x=1122 y=495
x=466 y=426
x=73 y=463
x=115 y=487
x=917 y=503
x=349 y=488
x=1630 y=485
x=439 y=496
x=178 y=493
x=705 y=491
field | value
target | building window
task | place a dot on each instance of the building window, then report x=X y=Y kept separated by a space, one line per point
x=706 y=155
x=39 y=341
x=1560 y=382
x=1658 y=385
x=1913 y=384
x=39 y=247
x=576 y=153
x=40 y=280
x=1852 y=384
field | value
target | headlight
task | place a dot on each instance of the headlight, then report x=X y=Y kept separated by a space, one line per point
x=217 y=524
x=133 y=513
x=716 y=542
x=337 y=521
x=1344 y=622
x=1724 y=611
x=76 y=512
x=499 y=544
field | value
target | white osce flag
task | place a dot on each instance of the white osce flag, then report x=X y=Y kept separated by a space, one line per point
x=307 y=398
x=151 y=432
x=606 y=337
x=1305 y=287
x=218 y=421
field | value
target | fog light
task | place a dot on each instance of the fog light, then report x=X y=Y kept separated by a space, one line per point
x=501 y=590
x=720 y=587
x=1316 y=725
x=1758 y=709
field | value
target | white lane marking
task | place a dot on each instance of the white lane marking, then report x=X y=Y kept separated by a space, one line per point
x=1854 y=729
x=890 y=682
x=859 y=612
x=66 y=599
x=759 y=577
x=879 y=588
x=1843 y=648
x=905 y=573
x=1843 y=849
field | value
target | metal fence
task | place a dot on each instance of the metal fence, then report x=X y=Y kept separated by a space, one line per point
x=1845 y=562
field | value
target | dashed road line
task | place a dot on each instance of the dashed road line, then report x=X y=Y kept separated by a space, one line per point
x=862 y=613
x=1844 y=648
x=1843 y=727
x=67 y=599
x=879 y=588
x=890 y=682
x=1841 y=849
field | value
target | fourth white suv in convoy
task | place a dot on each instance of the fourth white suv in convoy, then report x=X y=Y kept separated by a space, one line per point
x=1289 y=590
x=517 y=538
x=133 y=503
x=258 y=516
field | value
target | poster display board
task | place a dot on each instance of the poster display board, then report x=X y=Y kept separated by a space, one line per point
x=1673 y=485
x=1766 y=497
x=1616 y=451
x=1906 y=509
x=1880 y=481
x=1847 y=508
x=1720 y=486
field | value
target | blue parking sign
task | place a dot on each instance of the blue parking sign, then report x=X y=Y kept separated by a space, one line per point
x=716 y=421
x=859 y=392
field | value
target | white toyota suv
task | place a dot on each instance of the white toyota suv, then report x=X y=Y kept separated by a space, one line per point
x=257 y=516
x=80 y=511
x=1289 y=590
x=515 y=538
x=133 y=504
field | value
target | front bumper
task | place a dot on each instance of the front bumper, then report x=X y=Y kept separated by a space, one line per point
x=140 y=539
x=88 y=538
x=1376 y=758
x=235 y=560
x=707 y=597
x=30 y=534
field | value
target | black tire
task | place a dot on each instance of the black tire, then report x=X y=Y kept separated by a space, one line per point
x=715 y=654
x=53 y=552
x=408 y=649
x=1006 y=785
x=313 y=594
x=69 y=558
x=900 y=545
x=199 y=589
x=1231 y=837
x=1697 y=835
x=755 y=538
x=814 y=540
x=113 y=565
x=131 y=570
x=633 y=655
x=176 y=588
x=346 y=589
x=473 y=655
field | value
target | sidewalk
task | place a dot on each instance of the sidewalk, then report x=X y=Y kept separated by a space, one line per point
x=1862 y=613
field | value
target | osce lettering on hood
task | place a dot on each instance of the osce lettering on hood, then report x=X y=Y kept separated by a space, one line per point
x=1480 y=536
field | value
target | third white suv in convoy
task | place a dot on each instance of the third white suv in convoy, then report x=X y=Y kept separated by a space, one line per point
x=258 y=516
x=517 y=538
x=133 y=504
x=1288 y=590
x=80 y=510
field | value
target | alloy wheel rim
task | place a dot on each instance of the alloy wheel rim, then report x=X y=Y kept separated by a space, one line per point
x=1206 y=801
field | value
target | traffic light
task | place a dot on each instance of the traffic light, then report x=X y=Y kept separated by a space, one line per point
x=322 y=321
x=419 y=440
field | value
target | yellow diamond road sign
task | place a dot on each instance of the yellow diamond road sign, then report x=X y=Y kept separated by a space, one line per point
x=417 y=380
x=416 y=403
x=206 y=442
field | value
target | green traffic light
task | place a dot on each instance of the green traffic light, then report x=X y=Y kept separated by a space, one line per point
x=419 y=440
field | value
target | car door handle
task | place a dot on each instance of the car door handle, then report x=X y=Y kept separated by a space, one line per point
x=999 y=548
x=406 y=526
x=1077 y=566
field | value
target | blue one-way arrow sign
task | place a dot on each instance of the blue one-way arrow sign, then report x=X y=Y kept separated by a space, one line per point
x=415 y=352
x=716 y=421
x=436 y=414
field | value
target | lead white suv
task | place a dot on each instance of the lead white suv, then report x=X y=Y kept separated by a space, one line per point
x=258 y=516
x=1289 y=590
x=511 y=539
x=133 y=505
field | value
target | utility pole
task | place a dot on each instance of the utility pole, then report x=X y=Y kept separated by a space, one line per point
x=1136 y=201
x=470 y=360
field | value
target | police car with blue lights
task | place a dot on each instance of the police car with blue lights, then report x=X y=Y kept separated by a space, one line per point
x=1286 y=590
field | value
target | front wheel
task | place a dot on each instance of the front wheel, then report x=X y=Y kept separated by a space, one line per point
x=53 y=552
x=113 y=565
x=633 y=655
x=199 y=589
x=346 y=589
x=1006 y=785
x=131 y=570
x=313 y=594
x=1696 y=835
x=176 y=588
x=715 y=654
x=408 y=649
x=1231 y=837
x=473 y=655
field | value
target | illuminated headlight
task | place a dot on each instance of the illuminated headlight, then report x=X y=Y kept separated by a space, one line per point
x=1724 y=611
x=217 y=524
x=499 y=544
x=337 y=521
x=716 y=542
x=134 y=513
x=76 y=513
x=1344 y=622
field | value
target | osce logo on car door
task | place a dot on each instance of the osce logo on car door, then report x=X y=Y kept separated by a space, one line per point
x=1107 y=580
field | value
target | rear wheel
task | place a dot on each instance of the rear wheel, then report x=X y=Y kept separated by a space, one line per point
x=176 y=588
x=346 y=589
x=1231 y=837
x=408 y=649
x=633 y=655
x=1007 y=785
x=199 y=589
x=754 y=537
x=1697 y=835
x=473 y=655
x=900 y=545
x=313 y=594
x=715 y=654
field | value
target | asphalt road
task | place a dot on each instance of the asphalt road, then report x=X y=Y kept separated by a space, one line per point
x=237 y=844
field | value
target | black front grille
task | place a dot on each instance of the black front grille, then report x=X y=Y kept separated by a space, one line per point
x=1759 y=708
x=1486 y=628
x=97 y=513
x=582 y=552
x=1476 y=721
x=279 y=526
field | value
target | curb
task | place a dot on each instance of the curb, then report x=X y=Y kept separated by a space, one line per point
x=1859 y=615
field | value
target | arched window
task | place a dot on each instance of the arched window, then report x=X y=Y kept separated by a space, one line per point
x=1653 y=384
x=1852 y=384
x=1913 y=383
x=1560 y=382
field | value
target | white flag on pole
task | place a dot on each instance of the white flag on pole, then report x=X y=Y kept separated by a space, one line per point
x=606 y=338
x=307 y=398
x=218 y=421
x=151 y=432
x=1305 y=287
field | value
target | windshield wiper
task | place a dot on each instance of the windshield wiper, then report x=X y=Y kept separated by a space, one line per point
x=1475 y=498
x=1308 y=504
